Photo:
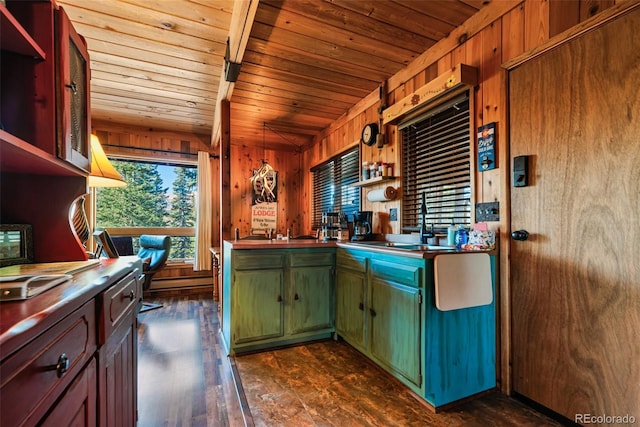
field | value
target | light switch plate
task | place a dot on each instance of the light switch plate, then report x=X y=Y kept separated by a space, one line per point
x=486 y=212
x=393 y=214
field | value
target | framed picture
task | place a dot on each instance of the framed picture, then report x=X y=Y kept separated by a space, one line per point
x=105 y=244
x=16 y=244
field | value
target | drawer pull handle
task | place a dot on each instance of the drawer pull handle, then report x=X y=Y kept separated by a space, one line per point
x=296 y=297
x=62 y=366
x=373 y=312
x=279 y=298
x=131 y=295
x=361 y=306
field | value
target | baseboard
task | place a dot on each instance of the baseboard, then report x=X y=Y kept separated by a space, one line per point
x=180 y=283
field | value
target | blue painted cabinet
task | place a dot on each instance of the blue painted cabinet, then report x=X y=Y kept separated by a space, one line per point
x=394 y=308
x=385 y=307
x=460 y=347
x=378 y=310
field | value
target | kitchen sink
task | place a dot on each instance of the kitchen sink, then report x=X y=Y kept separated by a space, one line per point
x=407 y=246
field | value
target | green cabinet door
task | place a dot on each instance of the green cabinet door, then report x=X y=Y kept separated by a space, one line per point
x=350 y=305
x=311 y=298
x=257 y=304
x=395 y=327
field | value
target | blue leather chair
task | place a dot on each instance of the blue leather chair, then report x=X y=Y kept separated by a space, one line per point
x=154 y=251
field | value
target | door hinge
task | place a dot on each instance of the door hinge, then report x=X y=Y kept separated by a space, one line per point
x=419 y=298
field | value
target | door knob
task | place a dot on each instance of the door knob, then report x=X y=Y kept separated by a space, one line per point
x=520 y=235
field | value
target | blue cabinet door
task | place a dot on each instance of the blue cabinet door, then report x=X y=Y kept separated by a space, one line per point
x=395 y=328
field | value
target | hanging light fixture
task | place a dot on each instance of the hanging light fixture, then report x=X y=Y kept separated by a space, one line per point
x=264 y=178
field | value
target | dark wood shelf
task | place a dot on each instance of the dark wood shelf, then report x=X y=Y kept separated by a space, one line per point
x=15 y=38
x=18 y=156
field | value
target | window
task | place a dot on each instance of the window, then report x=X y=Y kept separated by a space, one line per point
x=157 y=196
x=436 y=158
x=332 y=191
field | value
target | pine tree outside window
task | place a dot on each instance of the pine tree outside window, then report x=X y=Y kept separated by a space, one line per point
x=158 y=199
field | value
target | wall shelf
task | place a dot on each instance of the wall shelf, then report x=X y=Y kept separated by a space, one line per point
x=372 y=181
x=15 y=38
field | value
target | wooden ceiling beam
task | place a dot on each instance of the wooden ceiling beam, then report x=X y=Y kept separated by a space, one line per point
x=242 y=17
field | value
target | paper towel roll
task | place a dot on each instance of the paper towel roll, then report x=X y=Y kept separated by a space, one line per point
x=388 y=193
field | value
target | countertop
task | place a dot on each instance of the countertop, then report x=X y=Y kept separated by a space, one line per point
x=22 y=321
x=372 y=246
x=278 y=244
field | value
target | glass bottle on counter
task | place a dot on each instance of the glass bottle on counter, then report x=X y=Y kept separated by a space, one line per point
x=451 y=234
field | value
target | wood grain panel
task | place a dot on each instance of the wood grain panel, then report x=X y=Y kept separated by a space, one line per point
x=487 y=183
x=512 y=43
x=576 y=282
x=536 y=24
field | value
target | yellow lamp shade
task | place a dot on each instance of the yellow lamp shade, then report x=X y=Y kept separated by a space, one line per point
x=103 y=174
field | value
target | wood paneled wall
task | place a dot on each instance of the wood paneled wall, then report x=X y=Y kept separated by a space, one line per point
x=483 y=43
x=505 y=31
x=243 y=161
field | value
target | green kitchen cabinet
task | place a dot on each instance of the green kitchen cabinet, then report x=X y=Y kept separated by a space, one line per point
x=351 y=288
x=311 y=283
x=378 y=309
x=385 y=307
x=274 y=297
x=257 y=299
x=395 y=332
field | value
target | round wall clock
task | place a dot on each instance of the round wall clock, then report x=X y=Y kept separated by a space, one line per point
x=369 y=133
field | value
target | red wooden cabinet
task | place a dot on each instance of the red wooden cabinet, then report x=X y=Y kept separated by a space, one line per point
x=117 y=357
x=72 y=82
x=44 y=124
x=72 y=360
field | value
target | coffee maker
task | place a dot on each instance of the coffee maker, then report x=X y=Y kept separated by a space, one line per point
x=362 y=226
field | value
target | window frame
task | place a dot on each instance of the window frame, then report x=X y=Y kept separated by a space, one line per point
x=411 y=222
x=354 y=169
x=137 y=231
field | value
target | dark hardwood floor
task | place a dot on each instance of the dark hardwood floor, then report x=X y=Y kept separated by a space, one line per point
x=186 y=380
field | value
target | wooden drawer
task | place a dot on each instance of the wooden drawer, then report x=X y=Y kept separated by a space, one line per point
x=394 y=272
x=352 y=262
x=257 y=260
x=117 y=304
x=312 y=259
x=29 y=380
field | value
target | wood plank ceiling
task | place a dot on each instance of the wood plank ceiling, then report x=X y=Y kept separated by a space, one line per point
x=159 y=63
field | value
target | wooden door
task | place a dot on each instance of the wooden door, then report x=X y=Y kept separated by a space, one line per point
x=575 y=283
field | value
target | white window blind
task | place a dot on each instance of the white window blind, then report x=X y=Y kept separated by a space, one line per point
x=332 y=191
x=436 y=158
